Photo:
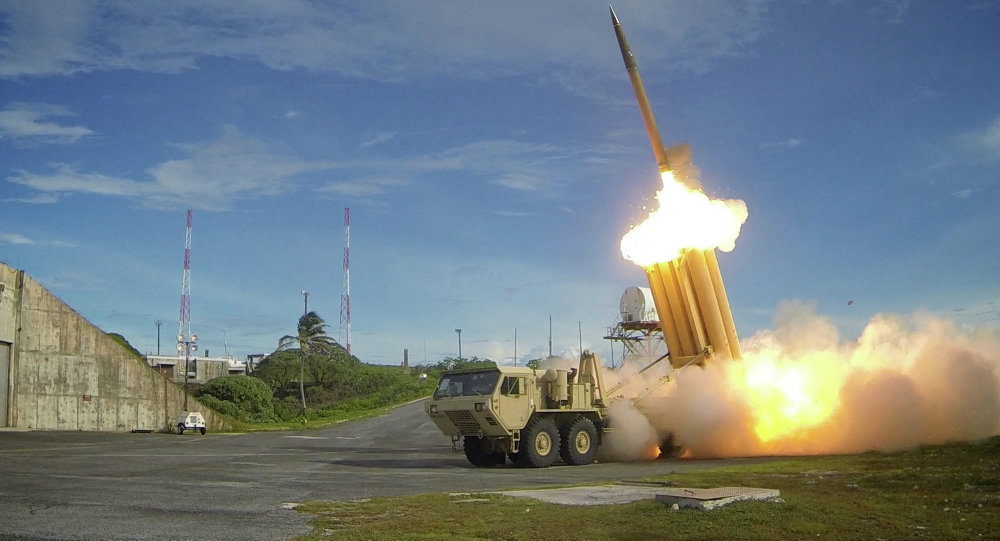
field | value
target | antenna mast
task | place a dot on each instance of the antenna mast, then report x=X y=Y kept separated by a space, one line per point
x=185 y=319
x=345 y=298
x=550 y=335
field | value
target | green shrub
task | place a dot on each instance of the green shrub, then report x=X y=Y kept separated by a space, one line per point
x=288 y=408
x=247 y=399
x=279 y=369
x=222 y=406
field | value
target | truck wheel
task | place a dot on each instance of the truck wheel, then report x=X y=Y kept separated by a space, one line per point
x=203 y=431
x=579 y=442
x=480 y=453
x=539 y=443
x=180 y=429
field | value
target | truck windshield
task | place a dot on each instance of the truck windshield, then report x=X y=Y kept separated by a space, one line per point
x=467 y=384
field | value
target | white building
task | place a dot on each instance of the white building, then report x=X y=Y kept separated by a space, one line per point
x=200 y=369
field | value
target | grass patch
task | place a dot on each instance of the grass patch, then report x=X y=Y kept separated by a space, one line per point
x=328 y=419
x=940 y=492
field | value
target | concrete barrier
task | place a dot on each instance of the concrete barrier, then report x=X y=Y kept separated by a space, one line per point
x=64 y=373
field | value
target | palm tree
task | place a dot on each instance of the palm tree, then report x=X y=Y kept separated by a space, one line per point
x=311 y=337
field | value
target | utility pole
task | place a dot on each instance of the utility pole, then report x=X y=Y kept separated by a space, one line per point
x=305 y=302
x=550 y=335
x=157 y=323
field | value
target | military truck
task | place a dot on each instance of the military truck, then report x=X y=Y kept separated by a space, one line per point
x=532 y=416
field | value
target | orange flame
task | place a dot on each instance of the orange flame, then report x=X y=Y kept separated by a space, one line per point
x=685 y=219
x=787 y=396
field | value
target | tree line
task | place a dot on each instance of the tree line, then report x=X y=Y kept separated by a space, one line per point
x=311 y=376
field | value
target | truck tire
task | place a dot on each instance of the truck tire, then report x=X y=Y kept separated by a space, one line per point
x=480 y=453
x=180 y=428
x=579 y=441
x=539 y=443
x=203 y=431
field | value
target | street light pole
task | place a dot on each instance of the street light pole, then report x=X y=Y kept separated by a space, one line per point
x=459 y=331
x=157 y=323
x=305 y=302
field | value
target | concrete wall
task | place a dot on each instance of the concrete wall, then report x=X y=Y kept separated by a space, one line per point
x=66 y=374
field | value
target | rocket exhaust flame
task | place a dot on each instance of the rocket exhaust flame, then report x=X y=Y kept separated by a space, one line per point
x=799 y=389
x=685 y=219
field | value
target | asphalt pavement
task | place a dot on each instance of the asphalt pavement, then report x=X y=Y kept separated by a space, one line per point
x=88 y=485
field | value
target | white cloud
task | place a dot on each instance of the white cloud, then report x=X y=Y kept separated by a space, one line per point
x=361 y=188
x=523 y=182
x=381 y=40
x=212 y=176
x=15 y=238
x=379 y=138
x=31 y=121
x=65 y=179
x=512 y=164
x=37 y=199
x=215 y=175
x=19 y=239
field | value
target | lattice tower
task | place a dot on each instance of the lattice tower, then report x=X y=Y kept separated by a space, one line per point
x=345 y=298
x=185 y=319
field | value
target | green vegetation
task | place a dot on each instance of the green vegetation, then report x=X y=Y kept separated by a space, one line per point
x=247 y=400
x=450 y=363
x=121 y=340
x=334 y=385
x=311 y=338
x=941 y=492
x=338 y=387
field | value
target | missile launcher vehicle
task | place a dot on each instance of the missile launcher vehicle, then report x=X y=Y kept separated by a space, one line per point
x=534 y=417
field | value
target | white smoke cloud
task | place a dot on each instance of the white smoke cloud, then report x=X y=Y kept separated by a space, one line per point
x=801 y=389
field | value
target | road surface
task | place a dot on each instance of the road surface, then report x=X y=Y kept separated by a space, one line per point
x=86 y=485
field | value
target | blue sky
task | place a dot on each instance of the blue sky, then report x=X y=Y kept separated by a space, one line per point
x=492 y=156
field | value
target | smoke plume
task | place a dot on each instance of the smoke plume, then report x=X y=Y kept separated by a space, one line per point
x=801 y=389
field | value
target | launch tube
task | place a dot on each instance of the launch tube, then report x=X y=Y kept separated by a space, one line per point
x=727 y=313
x=689 y=294
x=708 y=302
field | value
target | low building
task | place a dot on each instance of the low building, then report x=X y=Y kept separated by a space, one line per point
x=200 y=369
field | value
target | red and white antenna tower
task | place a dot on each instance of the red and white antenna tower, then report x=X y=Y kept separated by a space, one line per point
x=185 y=326
x=345 y=298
